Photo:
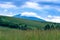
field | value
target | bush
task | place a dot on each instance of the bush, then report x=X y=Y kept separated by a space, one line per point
x=23 y=27
x=8 y=24
x=47 y=27
x=57 y=26
x=52 y=26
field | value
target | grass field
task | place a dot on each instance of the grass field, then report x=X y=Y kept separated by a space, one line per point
x=15 y=34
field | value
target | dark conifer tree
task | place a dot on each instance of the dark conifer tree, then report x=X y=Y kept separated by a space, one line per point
x=47 y=27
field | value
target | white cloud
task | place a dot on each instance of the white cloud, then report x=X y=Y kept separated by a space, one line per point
x=49 y=0
x=37 y=6
x=6 y=13
x=5 y=10
x=10 y=15
x=57 y=8
x=55 y=1
x=7 y=5
x=53 y=18
x=30 y=14
x=31 y=5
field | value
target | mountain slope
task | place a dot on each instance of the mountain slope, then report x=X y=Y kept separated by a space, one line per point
x=19 y=22
x=29 y=18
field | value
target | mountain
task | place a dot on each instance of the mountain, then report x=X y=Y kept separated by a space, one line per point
x=29 y=18
x=12 y=22
x=20 y=23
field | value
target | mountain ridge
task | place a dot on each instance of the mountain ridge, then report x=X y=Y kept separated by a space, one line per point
x=13 y=22
x=29 y=18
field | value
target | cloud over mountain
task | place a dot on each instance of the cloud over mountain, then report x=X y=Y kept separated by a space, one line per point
x=30 y=14
x=37 y=8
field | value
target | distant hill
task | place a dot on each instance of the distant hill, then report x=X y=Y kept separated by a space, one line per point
x=13 y=22
x=29 y=18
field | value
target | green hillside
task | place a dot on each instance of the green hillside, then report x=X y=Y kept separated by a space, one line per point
x=24 y=24
x=10 y=29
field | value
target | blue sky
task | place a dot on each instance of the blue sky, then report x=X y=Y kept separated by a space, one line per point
x=48 y=10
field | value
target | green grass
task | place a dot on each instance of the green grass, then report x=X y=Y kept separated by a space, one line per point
x=24 y=21
x=30 y=23
x=15 y=34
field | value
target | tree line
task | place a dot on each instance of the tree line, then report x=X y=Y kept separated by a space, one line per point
x=25 y=26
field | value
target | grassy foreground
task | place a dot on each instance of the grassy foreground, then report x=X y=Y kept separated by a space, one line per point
x=15 y=34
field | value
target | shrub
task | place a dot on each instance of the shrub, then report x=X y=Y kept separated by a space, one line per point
x=47 y=27
x=52 y=26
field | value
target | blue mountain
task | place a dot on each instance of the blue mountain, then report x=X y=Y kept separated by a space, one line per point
x=29 y=18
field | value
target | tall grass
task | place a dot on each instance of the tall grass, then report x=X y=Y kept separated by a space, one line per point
x=15 y=34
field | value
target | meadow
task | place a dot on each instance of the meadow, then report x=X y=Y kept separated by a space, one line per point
x=15 y=34
x=22 y=29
